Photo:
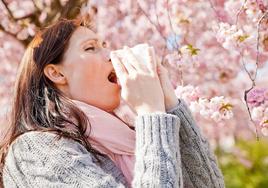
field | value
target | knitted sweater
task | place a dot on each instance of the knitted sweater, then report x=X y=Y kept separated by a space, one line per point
x=170 y=152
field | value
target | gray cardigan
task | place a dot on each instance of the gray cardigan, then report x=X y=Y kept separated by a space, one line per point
x=170 y=152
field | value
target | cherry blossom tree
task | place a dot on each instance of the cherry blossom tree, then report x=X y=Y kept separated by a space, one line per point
x=215 y=50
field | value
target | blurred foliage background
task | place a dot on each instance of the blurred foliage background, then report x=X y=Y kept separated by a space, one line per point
x=246 y=166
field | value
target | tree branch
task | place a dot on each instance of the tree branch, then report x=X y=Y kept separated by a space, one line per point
x=72 y=8
x=239 y=12
x=253 y=79
x=215 y=11
x=69 y=11
x=152 y=23
x=23 y=42
x=258 y=41
x=171 y=26
x=9 y=11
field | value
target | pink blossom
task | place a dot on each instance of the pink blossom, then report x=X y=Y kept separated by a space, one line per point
x=261 y=5
x=188 y=93
x=257 y=113
x=257 y=96
x=264 y=131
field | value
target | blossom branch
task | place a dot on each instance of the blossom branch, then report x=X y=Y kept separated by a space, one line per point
x=8 y=10
x=152 y=23
x=70 y=10
x=171 y=26
x=23 y=42
x=262 y=7
x=36 y=6
x=258 y=42
x=239 y=12
x=253 y=79
x=215 y=11
x=157 y=18
x=7 y=32
x=246 y=92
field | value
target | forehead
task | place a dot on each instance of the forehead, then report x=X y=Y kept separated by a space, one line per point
x=82 y=34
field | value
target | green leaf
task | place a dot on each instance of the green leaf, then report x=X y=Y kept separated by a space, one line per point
x=242 y=38
x=193 y=50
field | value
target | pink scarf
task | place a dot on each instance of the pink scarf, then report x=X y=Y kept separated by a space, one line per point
x=112 y=137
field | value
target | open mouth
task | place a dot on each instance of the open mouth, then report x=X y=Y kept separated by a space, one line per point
x=112 y=77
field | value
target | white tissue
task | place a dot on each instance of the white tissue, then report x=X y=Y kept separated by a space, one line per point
x=141 y=52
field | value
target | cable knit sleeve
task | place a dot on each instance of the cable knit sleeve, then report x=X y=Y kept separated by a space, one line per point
x=157 y=163
x=37 y=159
x=199 y=165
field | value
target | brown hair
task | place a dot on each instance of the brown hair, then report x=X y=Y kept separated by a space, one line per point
x=38 y=105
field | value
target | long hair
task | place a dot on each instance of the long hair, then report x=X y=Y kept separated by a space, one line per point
x=38 y=105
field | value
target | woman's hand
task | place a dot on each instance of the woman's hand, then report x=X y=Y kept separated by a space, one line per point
x=170 y=97
x=140 y=86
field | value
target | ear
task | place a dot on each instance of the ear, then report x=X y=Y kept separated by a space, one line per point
x=54 y=73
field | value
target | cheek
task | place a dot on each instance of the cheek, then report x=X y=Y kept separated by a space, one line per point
x=82 y=71
x=83 y=78
x=86 y=79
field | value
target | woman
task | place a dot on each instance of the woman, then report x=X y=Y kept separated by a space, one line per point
x=65 y=72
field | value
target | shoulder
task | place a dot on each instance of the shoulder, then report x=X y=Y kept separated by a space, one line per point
x=37 y=136
x=34 y=139
x=44 y=140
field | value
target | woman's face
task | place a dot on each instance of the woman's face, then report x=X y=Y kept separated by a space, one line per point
x=86 y=65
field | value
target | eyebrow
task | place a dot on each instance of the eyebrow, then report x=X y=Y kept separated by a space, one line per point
x=90 y=39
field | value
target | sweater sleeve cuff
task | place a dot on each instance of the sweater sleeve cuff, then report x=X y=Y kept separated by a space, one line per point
x=181 y=109
x=180 y=105
x=156 y=129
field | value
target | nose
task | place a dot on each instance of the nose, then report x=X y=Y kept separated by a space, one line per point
x=106 y=55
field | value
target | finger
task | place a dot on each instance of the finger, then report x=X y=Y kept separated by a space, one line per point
x=119 y=68
x=134 y=61
x=152 y=65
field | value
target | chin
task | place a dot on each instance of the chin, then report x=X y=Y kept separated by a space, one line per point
x=116 y=104
x=113 y=105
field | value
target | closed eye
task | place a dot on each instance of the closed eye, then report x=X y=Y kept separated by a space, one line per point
x=91 y=48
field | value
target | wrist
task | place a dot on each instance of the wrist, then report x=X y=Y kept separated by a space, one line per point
x=148 y=110
x=171 y=103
